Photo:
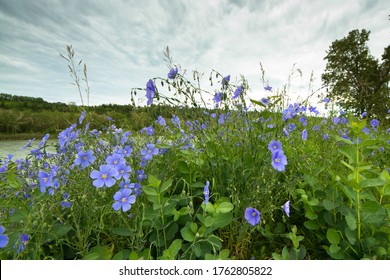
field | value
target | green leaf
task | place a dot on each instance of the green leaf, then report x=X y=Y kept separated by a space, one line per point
x=197 y=185
x=351 y=235
x=333 y=236
x=122 y=255
x=333 y=249
x=194 y=227
x=171 y=252
x=373 y=213
x=215 y=241
x=99 y=253
x=257 y=103
x=329 y=205
x=349 y=152
x=153 y=181
x=133 y=256
x=149 y=191
x=60 y=229
x=183 y=168
x=121 y=231
x=225 y=207
x=209 y=221
x=18 y=216
x=368 y=183
x=209 y=208
x=187 y=233
x=351 y=221
x=166 y=185
x=312 y=225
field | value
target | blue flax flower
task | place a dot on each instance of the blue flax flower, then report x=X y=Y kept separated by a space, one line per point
x=123 y=199
x=268 y=88
x=279 y=160
x=274 y=146
x=226 y=80
x=172 y=73
x=141 y=175
x=22 y=242
x=206 y=192
x=82 y=116
x=252 y=215
x=3 y=238
x=218 y=97
x=150 y=91
x=286 y=208
x=374 y=123
x=149 y=152
x=265 y=101
x=304 y=135
x=161 y=121
x=115 y=160
x=45 y=180
x=123 y=171
x=176 y=120
x=65 y=203
x=104 y=177
x=84 y=159
x=237 y=92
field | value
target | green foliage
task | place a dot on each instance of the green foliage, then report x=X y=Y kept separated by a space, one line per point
x=357 y=81
x=336 y=181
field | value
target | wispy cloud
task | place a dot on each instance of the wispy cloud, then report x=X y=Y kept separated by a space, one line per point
x=122 y=41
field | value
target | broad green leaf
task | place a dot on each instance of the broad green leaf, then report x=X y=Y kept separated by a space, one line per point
x=349 y=152
x=166 y=185
x=351 y=235
x=329 y=205
x=312 y=225
x=225 y=207
x=133 y=256
x=183 y=168
x=197 y=185
x=333 y=249
x=341 y=139
x=18 y=216
x=121 y=231
x=208 y=222
x=149 y=191
x=333 y=236
x=122 y=255
x=153 y=181
x=187 y=233
x=351 y=221
x=60 y=230
x=373 y=213
x=368 y=183
x=311 y=215
x=215 y=241
x=194 y=227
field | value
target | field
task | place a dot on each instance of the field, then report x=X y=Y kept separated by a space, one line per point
x=276 y=181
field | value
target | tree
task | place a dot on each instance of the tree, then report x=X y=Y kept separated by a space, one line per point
x=356 y=81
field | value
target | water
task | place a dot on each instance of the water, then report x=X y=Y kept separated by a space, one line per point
x=14 y=147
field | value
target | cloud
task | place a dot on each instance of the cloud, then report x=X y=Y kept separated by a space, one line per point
x=122 y=42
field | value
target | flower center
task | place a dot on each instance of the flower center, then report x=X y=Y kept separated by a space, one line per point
x=277 y=159
x=254 y=214
x=123 y=199
x=104 y=176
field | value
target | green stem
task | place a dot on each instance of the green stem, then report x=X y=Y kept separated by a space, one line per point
x=358 y=191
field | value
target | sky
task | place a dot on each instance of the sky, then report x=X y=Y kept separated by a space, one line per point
x=122 y=43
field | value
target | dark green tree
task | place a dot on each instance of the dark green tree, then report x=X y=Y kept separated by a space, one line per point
x=356 y=80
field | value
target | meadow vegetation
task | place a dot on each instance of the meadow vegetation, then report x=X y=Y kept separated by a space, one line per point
x=235 y=179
